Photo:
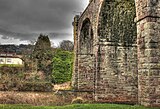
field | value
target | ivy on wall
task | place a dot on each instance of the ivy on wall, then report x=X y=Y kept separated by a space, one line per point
x=62 y=66
x=116 y=23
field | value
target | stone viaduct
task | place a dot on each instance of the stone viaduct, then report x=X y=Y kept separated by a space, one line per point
x=117 y=51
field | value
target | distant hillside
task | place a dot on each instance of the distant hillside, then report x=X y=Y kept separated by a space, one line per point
x=18 y=49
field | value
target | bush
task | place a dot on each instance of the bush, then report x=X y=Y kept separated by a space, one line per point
x=35 y=86
x=62 y=66
x=78 y=100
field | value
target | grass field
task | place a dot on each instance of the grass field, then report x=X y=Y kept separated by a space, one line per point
x=77 y=106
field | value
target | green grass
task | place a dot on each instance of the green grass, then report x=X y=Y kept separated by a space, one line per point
x=77 y=106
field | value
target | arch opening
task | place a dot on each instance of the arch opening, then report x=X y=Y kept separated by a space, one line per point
x=117 y=59
x=86 y=38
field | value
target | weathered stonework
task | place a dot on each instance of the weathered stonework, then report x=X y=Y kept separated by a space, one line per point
x=117 y=51
x=148 y=41
x=75 y=67
x=116 y=78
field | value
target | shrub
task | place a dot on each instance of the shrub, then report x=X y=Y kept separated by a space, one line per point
x=78 y=100
x=62 y=66
x=36 y=86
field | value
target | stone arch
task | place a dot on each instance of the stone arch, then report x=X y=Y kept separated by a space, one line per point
x=112 y=66
x=86 y=38
x=116 y=56
x=116 y=22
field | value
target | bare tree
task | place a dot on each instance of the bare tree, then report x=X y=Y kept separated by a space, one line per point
x=66 y=45
x=32 y=41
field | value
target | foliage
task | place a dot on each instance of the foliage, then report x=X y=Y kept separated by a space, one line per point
x=116 y=23
x=62 y=66
x=67 y=45
x=21 y=49
x=42 y=43
x=43 y=60
x=37 y=67
x=77 y=106
x=36 y=86
x=42 y=55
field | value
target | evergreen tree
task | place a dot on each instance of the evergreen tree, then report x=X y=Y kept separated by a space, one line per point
x=43 y=54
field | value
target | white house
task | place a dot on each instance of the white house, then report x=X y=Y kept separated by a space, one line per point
x=10 y=59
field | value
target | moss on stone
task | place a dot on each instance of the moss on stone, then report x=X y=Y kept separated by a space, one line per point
x=116 y=22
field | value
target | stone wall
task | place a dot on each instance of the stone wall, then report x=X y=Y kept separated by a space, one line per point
x=116 y=78
x=116 y=22
x=148 y=40
x=117 y=74
x=125 y=62
x=86 y=72
x=90 y=12
x=75 y=65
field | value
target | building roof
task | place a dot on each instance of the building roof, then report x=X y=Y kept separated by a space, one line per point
x=9 y=55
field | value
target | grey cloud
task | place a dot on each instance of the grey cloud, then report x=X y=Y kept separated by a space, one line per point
x=25 y=19
x=31 y=36
x=5 y=37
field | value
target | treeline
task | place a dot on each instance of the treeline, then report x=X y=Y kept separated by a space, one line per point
x=18 y=49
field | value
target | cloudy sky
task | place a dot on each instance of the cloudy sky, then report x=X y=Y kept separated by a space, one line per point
x=21 y=21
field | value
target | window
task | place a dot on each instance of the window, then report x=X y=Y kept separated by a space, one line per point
x=1 y=60
x=9 y=60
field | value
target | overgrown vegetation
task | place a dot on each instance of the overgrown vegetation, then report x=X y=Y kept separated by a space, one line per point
x=10 y=77
x=36 y=86
x=42 y=55
x=121 y=28
x=42 y=66
x=76 y=106
x=62 y=66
